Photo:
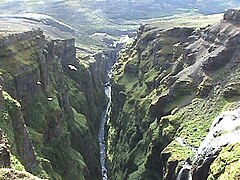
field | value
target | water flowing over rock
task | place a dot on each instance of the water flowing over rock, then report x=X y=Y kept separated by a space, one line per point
x=102 y=132
x=185 y=173
x=225 y=130
x=49 y=111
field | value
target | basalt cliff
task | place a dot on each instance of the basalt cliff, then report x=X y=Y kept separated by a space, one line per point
x=175 y=104
x=50 y=108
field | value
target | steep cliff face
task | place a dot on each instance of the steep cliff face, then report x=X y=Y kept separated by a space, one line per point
x=168 y=86
x=51 y=107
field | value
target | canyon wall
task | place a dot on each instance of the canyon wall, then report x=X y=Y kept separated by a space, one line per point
x=50 y=107
x=168 y=86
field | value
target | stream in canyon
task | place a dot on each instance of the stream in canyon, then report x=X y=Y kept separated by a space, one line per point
x=101 y=134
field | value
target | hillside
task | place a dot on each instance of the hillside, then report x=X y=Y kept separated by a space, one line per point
x=175 y=104
x=114 y=17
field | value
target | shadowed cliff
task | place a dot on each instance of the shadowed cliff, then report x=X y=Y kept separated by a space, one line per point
x=51 y=106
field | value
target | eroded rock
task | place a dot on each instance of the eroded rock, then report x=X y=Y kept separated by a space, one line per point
x=232 y=15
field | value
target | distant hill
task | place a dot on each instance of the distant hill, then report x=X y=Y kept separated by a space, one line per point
x=114 y=17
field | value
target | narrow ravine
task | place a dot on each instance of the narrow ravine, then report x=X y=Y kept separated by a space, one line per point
x=101 y=134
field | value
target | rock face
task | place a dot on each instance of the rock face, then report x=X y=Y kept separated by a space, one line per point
x=50 y=106
x=232 y=15
x=4 y=151
x=224 y=131
x=170 y=85
x=1 y=97
x=21 y=137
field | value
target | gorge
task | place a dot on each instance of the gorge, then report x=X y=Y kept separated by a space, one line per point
x=165 y=106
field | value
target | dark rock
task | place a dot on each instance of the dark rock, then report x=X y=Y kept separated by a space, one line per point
x=205 y=87
x=232 y=90
x=232 y=15
x=200 y=171
x=4 y=152
x=184 y=33
x=190 y=58
x=218 y=60
x=1 y=97
x=23 y=143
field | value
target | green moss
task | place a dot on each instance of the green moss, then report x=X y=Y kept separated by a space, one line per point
x=16 y=164
x=37 y=140
x=77 y=98
x=41 y=108
x=6 y=121
x=15 y=174
x=80 y=123
x=199 y=114
x=48 y=170
x=10 y=100
x=62 y=160
x=178 y=152
x=227 y=164
x=20 y=54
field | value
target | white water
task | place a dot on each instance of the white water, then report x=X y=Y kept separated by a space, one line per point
x=185 y=173
x=101 y=134
x=224 y=130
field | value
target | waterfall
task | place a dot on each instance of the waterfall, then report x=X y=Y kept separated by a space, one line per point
x=225 y=130
x=185 y=173
x=101 y=134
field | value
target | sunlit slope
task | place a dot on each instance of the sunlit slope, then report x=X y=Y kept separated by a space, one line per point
x=114 y=17
x=185 y=21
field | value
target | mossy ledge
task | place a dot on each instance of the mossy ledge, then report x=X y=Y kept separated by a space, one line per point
x=50 y=108
x=167 y=88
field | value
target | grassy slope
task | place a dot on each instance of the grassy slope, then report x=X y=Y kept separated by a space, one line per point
x=186 y=21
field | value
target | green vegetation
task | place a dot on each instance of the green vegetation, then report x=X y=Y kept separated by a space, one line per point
x=226 y=165
x=15 y=174
x=186 y=21
x=57 y=110
x=158 y=99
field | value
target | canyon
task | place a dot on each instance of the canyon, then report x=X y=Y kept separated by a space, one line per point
x=50 y=106
x=165 y=105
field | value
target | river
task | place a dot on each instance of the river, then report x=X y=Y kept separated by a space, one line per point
x=101 y=134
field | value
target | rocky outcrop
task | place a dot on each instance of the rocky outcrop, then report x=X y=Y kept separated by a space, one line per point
x=21 y=138
x=175 y=82
x=15 y=174
x=224 y=130
x=232 y=15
